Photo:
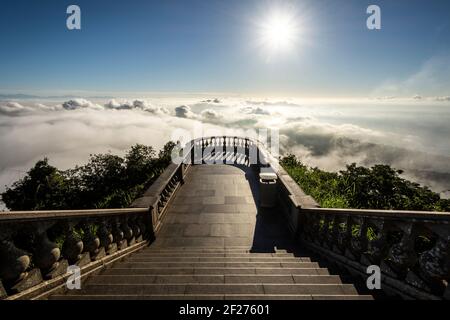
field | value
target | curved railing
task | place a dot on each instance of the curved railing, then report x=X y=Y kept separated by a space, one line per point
x=225 y=150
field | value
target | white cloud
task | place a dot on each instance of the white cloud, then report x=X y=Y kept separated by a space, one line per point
x=136 y=104
x=184 y=112
x=80 y=103
x=255 y=110
x=13 y=109
x=323 y=136
x=16 y=109
x=210 y=114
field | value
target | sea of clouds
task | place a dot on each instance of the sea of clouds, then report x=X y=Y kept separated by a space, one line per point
x=409 y=134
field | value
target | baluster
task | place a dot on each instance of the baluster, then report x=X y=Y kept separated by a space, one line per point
x=136 y=230
x=224 y=150
x=193 y=150
x=14 y=264
x=258 y=156
x=247 y=151
x=328 y=231
x=323 y=229
x=106 y=237
x=92 y=242
x=140 y=220
x=213 y=145
x=203 y=147
x=73 y=247
x=315 y=227
x=401 y=256
x=378 y=247
x=46 y=255
x=434 y=265
x=344 y=233
x=127 y=231
x=118 y=235
x=235 y=149
x=358 y=243
x=331 y=231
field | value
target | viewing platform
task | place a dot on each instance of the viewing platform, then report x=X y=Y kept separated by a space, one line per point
x=200 y=232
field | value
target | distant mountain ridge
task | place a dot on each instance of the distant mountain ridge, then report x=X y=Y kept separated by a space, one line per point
x=20 y=96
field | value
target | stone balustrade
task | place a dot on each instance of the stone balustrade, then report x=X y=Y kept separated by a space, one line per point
x=158 y=196
x=39 y=246
x=224 y=150
x=36 y=247
x=411 y=248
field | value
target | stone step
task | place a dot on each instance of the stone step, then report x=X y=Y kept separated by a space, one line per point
x=216 y=271
x=211 y=297
x=195 y=249
x=137 y=265
x=168 y=259
x=217 y=255
x=167 y=248
x=236 y=279
x=216 y=288
x=213 y=250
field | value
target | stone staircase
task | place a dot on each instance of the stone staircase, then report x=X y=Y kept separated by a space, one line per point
x=233 y=273
x=207 y=236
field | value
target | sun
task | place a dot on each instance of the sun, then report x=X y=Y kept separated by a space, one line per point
x=279 y=31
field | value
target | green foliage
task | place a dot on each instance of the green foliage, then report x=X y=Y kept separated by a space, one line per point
x=378 y=187
x=106 y=181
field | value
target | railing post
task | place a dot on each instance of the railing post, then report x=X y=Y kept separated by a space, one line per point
x=358 y=243
x=202 y=148
x=47 y=254
x=224 y=150
x=73 y=246
x=14 y=262
x=401 y=256
x=106 y=237
x=235 y=154
x=434 y=266
x=247 y=151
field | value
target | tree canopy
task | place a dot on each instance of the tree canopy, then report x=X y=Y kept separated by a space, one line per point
x=111 y=181
x=378 y=187
x=106 y=181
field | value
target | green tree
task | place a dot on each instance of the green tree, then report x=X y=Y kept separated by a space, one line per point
x=106 y=181
x=43 y=186
x=378 y=187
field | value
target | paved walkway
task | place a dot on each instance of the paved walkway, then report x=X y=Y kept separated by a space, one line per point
x=216 y=243
x=218 y=207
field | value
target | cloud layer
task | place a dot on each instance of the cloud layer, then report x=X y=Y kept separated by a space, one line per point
x=411 y=136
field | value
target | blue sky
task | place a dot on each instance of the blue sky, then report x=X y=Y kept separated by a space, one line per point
x=211 y=46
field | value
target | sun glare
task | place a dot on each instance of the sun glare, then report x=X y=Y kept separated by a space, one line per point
x=279 y=31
